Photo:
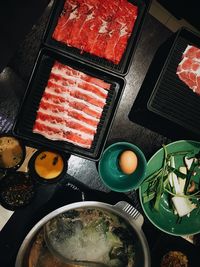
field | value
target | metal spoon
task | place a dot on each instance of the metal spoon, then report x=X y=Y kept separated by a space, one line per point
x=84 y=263
x=69 y=261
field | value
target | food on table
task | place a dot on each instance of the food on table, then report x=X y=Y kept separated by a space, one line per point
x=101 y=28
x=16 y=190
x=11 y=152
x=189 y=68
x=174 y=259
x=48 y=165
x=128 y=162
x=91 y=234
x=176 y=182
x=71 y=106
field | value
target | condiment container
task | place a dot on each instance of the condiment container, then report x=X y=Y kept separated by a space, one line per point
x=48 y=166
x=12 y=152
x=16 y=190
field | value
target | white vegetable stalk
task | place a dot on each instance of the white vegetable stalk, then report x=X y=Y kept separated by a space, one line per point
x=188 y=162
x=182 y=204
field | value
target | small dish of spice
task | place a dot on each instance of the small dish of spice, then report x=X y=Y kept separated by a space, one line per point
x=16 y=190
x=47 y=166
x=174 y=251
x=12 y=152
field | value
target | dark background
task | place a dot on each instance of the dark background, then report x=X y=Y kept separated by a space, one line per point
x=16 y=20
x=188 y=10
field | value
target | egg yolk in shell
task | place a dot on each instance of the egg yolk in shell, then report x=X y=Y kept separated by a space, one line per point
x=128 y=162
x=48 y=165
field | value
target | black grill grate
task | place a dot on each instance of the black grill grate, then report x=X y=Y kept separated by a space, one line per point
x=26 y=118
x=123 y=66
x=172 y=98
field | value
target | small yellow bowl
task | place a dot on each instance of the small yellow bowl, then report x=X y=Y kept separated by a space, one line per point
x=48 y=166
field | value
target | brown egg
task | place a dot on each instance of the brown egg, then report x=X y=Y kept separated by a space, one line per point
x=128 y=162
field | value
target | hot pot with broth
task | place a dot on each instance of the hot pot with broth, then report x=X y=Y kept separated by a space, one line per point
x=87 y=234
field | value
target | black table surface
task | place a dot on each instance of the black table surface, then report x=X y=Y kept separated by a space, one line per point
x=82 y=172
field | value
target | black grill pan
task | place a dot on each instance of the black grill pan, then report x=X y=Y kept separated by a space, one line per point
x=171 y=98
x=123 y=67
x=27 y=114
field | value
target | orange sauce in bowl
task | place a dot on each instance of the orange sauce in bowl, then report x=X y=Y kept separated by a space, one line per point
x=48 y=165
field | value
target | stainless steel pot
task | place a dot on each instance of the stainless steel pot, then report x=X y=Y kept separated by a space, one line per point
x=122 y=209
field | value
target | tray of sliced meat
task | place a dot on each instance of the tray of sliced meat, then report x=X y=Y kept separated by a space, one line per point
x=103 y=33
x=68 y=105
x=176 y=94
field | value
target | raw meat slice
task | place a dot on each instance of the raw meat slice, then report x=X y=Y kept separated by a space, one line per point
x=55 y=133
x=75 y=103
x=70 y=81
x=192 y=52
x=68 y=16
x=99 y=27
x=105 y=17
x=59 y=110
x=189 y=68
x=65 y=121
x=64 y=90
x=71 y=106
x=66 y=70
x=120 y=31
x=87 y=29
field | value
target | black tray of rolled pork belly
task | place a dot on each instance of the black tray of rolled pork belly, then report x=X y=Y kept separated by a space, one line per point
x=66 y=106
x=88 y=30
x=176 y=92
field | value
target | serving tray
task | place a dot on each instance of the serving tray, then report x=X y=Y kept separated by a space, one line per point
x=23 y=126
x=171 y=98
x=124 y=65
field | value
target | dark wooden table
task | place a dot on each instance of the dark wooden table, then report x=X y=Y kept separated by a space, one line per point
x=13 y=82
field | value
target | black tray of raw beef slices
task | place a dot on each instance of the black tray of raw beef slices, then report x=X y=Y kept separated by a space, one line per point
x=118 y=68
x=171 y=98
x=25 y=122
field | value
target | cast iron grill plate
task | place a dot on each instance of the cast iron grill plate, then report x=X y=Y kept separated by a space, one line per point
x=122 y=67
x=171 y=98
x=25 y=120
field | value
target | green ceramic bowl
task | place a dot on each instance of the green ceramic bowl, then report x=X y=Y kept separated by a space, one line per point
x=110 y=172
x=165 y=219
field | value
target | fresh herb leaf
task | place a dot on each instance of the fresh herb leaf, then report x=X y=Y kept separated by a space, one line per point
x=160 y=187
